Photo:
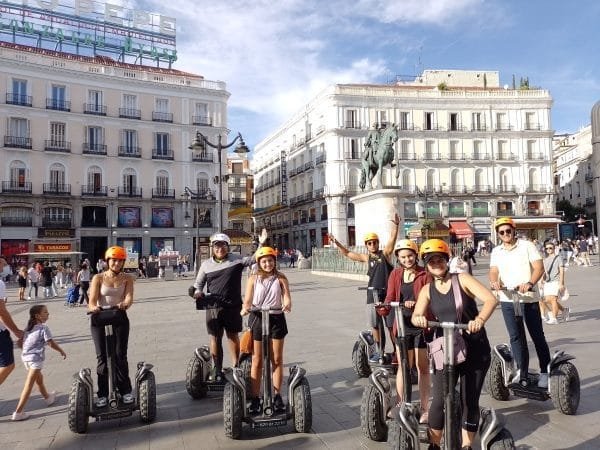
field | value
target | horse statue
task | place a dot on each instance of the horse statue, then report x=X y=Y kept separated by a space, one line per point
x=379 y=152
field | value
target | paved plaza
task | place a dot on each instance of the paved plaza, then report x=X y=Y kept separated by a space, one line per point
x=327 y=314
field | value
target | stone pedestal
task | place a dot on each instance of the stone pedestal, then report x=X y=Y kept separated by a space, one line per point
x=374 y=212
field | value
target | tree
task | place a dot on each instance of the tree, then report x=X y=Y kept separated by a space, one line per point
x=570 y=213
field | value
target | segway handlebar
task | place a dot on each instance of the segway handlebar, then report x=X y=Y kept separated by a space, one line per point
x=103 y=308
x=265 y=308
x=449 y=325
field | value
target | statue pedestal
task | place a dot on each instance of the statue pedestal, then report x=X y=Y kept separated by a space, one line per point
x=374 y=212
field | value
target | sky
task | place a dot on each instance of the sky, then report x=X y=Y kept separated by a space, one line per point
x=277 y=55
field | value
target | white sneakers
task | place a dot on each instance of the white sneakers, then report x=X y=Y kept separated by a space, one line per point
x=543 y=381
x=51 y=398
x=101 y=402
x=17 y=417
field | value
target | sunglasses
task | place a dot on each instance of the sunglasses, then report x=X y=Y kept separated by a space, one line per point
x=549 y=248
x=372 y=242
x=508 y=232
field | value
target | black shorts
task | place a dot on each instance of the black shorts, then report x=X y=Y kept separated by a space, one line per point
x=277 y=326
x=218 y=319
x=415 y=339
x=7 y=355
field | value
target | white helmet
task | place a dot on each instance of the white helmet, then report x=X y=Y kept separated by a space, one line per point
x=220 y=237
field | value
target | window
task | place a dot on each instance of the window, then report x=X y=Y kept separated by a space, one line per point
x=477 y=152
x=95 y=138
x=501 y=121
x=130 y=141
x=202 y=185
x=354 y=153
x=456 y=209
x=430 y=150
x=237 y=168
x=18 y=127
x=129 y=101
x=162 y=105
x=404 y=123
x=57 y=175
x=477 y=124
x=453 y=125
x=162 y=144
x=410 y=210
x=382 y=117
x=201 y=114
x=531 y=149
x=59 y=97
x=480 y=209
x=350 y=211
x=352 y=119
x=58 y=214
x=94 y=179
x=404 y=150
x=93 y=216
x=95 y=101
x=429 y=124
x=18 y=174
x=162 y=182
x=57 y=134
x=129 y=181
x=454 y=150
x=19 y=92
x=324 y=212
x=530 y=122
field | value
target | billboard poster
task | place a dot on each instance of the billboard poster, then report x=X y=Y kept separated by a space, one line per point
x=129 y=217
x=157 y=245
x=162 y=217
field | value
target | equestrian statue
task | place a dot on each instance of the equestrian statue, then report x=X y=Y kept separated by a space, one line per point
x=379 y=152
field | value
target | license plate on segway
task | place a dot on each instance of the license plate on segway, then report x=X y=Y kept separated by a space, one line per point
x=268 y=423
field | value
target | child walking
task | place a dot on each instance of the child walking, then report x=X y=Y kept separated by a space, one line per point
x=267 y=287
x=37 y=335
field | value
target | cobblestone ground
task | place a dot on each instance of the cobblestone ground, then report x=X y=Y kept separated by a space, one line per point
x=328 y=312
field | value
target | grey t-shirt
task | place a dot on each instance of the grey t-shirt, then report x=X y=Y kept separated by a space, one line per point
x=34 y=343
x=552 y=270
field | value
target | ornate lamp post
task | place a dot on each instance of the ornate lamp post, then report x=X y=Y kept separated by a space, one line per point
x=200 y=143
x=188 y=193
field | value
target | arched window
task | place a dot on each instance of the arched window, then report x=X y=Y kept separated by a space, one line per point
x=455 y=181
x=93 y=180
x=129 y=181
x=431 y=179
x=19 y=175
x=202 y=184
x=56 y=174
x=162 y=182
x=480 y=180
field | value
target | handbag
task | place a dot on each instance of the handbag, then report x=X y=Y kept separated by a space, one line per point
x=436 y=347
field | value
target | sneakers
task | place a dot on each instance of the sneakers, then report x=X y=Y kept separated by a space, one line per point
x=254 y=407
x=375 y=357
x=552 y=321
x=543 y=381
x=51 y=398
x=17 y=417
x=566 y=313
x=101 y=402
x=278 y=403
x=127 y=399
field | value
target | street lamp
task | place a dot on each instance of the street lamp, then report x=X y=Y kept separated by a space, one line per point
x=188 y=193
x=200 y=143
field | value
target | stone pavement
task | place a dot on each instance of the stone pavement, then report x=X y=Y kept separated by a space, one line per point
x=327 y=315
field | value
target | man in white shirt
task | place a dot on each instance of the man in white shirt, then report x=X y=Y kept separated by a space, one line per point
x=516 y=264
x=34 y=277
x=7 y=357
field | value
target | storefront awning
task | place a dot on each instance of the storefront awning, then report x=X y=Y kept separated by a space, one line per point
x=461 y=230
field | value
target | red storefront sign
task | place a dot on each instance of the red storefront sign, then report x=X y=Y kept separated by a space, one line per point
x=50 y=248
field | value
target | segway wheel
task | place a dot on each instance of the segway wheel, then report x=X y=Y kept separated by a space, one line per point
x=398 y=439
x=302 y=407
x=78 y=407
x=502 y=441
x=565 y=388
x=195 y=385
x=233 y=411
x=148 y=398
x=494 y=381
x=372 y=419
x=360 y=359
x=245 y=364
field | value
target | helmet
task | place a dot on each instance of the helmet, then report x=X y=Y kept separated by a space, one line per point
x=220 y=237
x=406 y=244
x=434 y=246
x=504 y=221
x=370 y=236
x=115 y=252
x=265 y=251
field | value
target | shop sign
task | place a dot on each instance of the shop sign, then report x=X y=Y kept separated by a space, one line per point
x=50 y=248
x=61 y=233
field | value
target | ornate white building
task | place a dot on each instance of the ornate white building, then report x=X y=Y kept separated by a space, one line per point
x=95 y=152
x=468 y=151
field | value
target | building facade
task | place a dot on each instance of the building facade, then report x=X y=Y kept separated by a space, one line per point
x=468 y=151
x=95 y=152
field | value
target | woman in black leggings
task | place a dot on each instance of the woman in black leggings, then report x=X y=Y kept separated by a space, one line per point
x=436 y=301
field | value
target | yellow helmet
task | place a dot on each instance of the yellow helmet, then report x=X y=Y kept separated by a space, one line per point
x=265 y=251
x=406 y=244
x=370 y=236
x=504 y=221
x=434 y=246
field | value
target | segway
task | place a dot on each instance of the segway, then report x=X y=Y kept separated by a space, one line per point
x=404 y=432
x=378 y=394
x=563 y=380
x=235 y=396
x=81 y=398
x=365 y=346
x=200 y=376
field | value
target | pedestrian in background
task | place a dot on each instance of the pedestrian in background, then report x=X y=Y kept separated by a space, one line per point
x=34 y=277
x=83 y=280
x=552 y=285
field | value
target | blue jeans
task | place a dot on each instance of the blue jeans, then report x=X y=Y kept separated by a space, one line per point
x=518 y=342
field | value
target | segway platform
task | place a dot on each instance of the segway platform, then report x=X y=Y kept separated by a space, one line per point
x=275 y=420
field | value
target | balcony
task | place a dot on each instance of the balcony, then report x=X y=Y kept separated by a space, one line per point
x=352 y=124
x=18 y=99
x=94 y=109
x=319 y=193
x=202 y=121
x=507 y=188
x=162 y=117
x=52 y=145
x=533 y=127
x=407 y=156
x=482 y=189
x=58 y=105
x=56 y=189
x=352 y=155
x=458 y=190
x=503 y=127
x=202 y=157
x=589 y=176
x=321 y=159
x=162 y=153
x=481 y=156
x=456 y=156
x=539 y=188
x=14 y=187
x=505 y=212
x=163 y=193
x=506 y=157
x=130 y=152
x=431 y=156
x=128 y=191
x=8 y=221
x=482 y=127
x=94 y=191
x=130 y=113
x=18 y=142
x=56 y=223
x=238 y=203
x=535 y=156
x=93 y=149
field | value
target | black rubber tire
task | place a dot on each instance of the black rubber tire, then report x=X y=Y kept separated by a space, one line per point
x=398 y=439
x=360 y=359
x=148 y=398
x=78 y=407
x=195 y=385
x=302 y=407
x=245 y=364
x=494 y=381
x=372 y=420
x=565 y=386
x=502 y=441
x=233 y=411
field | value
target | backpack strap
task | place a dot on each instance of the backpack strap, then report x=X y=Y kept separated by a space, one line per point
x=457 y=296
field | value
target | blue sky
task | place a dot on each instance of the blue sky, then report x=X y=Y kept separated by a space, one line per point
x=275 y=55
